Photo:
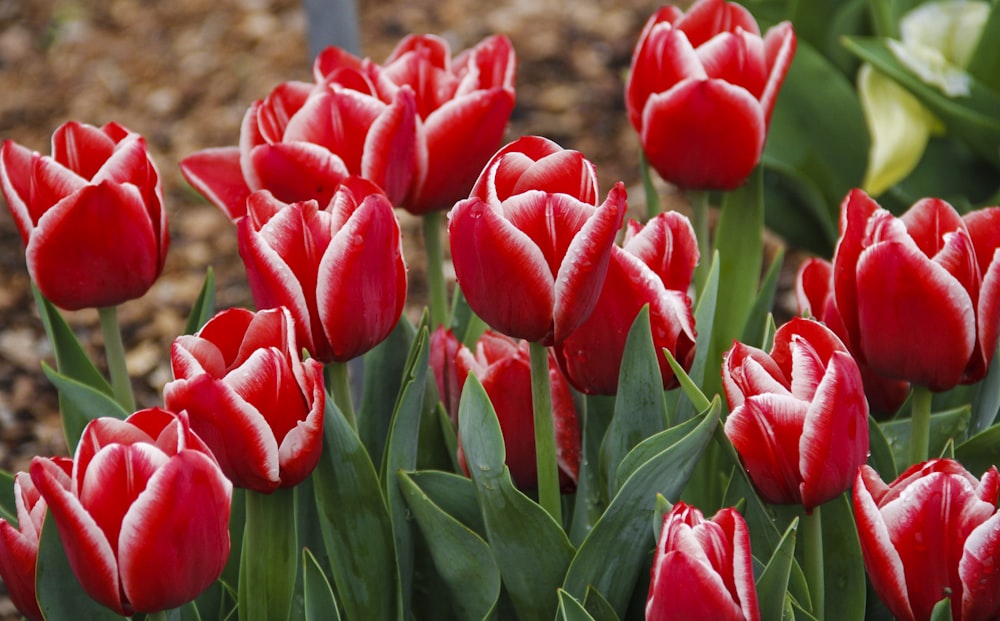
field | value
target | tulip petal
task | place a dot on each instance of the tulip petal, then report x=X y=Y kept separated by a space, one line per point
x=703 y=134
x=298 y=171
x=765 y=431
x=81 y=148
x=163 y=572
x=217 y=175
x=663 y=57
x=300 y=449
x=779 y=50
x=705 y=19
x=987 y=322
x=979 y=570
x=688 y=589
x=395 y=156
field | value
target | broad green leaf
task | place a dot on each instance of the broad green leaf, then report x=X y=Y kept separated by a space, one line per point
x=320 y=603
x=8 y=506
x=461 y=557
x=383 y=376
x=598 y=607
x=949 y=425
x=880 y=453
x=60 y=595
x=760 y=313
x=985 y=62
x=640 y=410
x=772 y=586
x=948 y=170
x=81 y=403
x=452 y=493
x=797 y=209
x=356 y=526
x=187 y=612
x=981 y=451
x=204 y=305
x=843 y=565
x=570 y=609
x=611 y=557
x=531 y=549
x=590 y=501
x=269 y=563
x=986 y=404
x=704 y=321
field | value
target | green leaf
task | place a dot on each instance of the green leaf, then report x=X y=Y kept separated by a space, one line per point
x=269 y=562
x=452 y=493
x=320 y=603
x=204 y=305
x=383 y=376
x=981 y=451
x=704 y=321
x=8 y=504
x=985 y=62
x=598 y=607
x=880 y=454
x=60 y=595
x=461 y=557
x=760 y=314
x=987 y=401
x=772 y=586
x=949 y=425
x=843 y=564
x=611 y=557
x=356 y=526
x=572 y=610
x=640 y=410
x=942 y=610
x=81 y=403
x=590 y=501
x=530 y=548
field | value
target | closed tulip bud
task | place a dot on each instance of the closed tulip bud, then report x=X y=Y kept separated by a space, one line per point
x=799 y=418
x=19 y=545
x=701 y=89
x=703 y=569
x=932 y=533
x=144 y=516
x=654 y=267
x=337 y=267
x=91 y=215
x=248 y=393
x=530 y=248
x=929 y=272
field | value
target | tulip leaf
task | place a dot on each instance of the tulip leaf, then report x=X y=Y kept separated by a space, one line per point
x=570 y=609
x=530 y=548
x=452 y=493
x=611 y=557
x=81 y=403
x=590 y=501
x=981 y=451
x=986 y=403
x=640 y=410
x=187 y=612
x=204 y=305
x=356 y=526
x=843 y=564
x=269 y=560
x=8 y=504
x=461 y=557
x=985 y=62
x=598 y=607
x=383 y=377
x=755 y=331
x=320 y=603
x=942 y=610
x=948 y=425
x=772 y=586
x=449 y=436
x=880 y=454
x=973 y=118
x=704 y=321
x=60 y=595
x=797 y=209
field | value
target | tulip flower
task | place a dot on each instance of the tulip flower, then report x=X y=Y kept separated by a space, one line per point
x=703 y=570
x=530 y=246
x=91 y=215
x=19 y=545
x=932 y=533
x=701 y=89
x=250 y=396
x=463 y=105
x=337 y=267
x=798 y=419
x=144 y=516
x=929 y=272
x=654 y=266
x=503 y=367
x=304 y=140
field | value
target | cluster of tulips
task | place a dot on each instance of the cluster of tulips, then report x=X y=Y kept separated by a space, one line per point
x=547 y=441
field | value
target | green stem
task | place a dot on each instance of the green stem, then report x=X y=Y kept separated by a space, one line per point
x=652 y=196
x=115 y=353
x=269 y=565
x=435 y=268
x=920 y=424
x=699 y=220
x=339 y=385
x=812 y=539
x=545 y=435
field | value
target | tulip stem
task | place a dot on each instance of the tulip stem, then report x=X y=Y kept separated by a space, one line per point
x=339 y=385
x=920 y=424
x=699 y=220
x=812 y=539
x=114 y=351
x=270 y=559
x=545 y=435
x=435 y=268
x=652 y=196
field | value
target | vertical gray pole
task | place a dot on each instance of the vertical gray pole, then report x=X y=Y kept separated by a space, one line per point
x=332 y=22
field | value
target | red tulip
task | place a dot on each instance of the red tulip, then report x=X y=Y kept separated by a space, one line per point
x=19 y=545
x=930 y=273
x=463 y=105
x=251 y=397
x=304 y=140
x=799 y=419
x=654 y=267
x=703 y=570
x=144 y=517
x=503 y=366
x=91 y=216
x=339 y=268
x=814 y=292
x=932 y=533
x=530 y=248
x=701 y=89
